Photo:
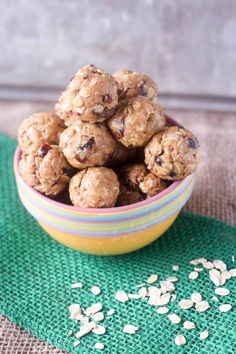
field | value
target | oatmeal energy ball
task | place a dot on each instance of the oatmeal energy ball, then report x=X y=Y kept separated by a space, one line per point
x=96 y=187
x=38 y=129
x=137 y=184
x=130 y=176
x=86 y=145
x=132 y=84
x=172 y=154
x=90 y=96
x=135 y=123
x=46 y=170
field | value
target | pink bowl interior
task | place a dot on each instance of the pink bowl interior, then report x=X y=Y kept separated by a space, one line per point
x=168 y=190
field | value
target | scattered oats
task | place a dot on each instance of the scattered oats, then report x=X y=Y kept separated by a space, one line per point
x=219 y=265
x=196 y=297
x=154 y=291
x=76 y=343
x=99 y=329
x=214 y=298
x=162 y=310
x=85 y=329
x=193 y=275
x=204 y=335
x=189 y=325
x=233 y=272
x=208 y=265
x=202 y=306
x=225 y=275
x=172 y=279
x=99 y=346
x=198 y=269
x=180 y=340
x=215 y=277
x=194 y=262
x=166 y=286
x=185 y=304
x=130 y=329
x=110 y=312
x=93 y=309
x=152 y=279
x=225 y=308
x=77 y=285
x=173 y=297
x=70 y=333
x=175 y=268
x=95 y=290
x=99 y=316
x=174 y=318
x=143 y=292
x=134 y=296
x=121 y=296
x=222 y=291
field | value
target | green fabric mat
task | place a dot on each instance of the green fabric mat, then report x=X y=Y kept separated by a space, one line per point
x=36 y=273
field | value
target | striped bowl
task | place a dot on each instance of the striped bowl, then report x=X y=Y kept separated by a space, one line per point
x=108 y=231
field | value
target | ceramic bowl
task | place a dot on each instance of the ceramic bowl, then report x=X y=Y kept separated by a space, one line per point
x=108 y=231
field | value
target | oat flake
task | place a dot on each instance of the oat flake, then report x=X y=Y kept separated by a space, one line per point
x=222 y=291
x=185 y=304
x=76 y=343
x=204 y=335
x=99 y=329
x=189 y=325
x=175 y=268
x=162 y=310
x=180 y=340
x=174 y=318
x=202 y=306
x=99 y=346
x=130 y=329
x=196 y=297
x=225 y=307
x=152 y=279
x=121 y=296
x=95 y=290
x=193 y=275
x=77 y=285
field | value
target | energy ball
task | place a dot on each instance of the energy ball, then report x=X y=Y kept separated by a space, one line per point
x=130 y=177
x=95 y=187
x=46 y=170
x=40 y=128
x=91 y=96
x=135 y=123
x=132 y=84
x=152 y=185
x=87 y=145
x=172 y=154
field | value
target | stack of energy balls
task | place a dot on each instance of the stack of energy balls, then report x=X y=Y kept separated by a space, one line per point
x=108 y=143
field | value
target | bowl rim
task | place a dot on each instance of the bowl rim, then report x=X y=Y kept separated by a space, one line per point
x=63 y=206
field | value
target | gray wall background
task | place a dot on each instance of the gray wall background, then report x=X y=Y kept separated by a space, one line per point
x=187 y=46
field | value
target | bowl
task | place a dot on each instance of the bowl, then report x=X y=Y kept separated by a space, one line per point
x=108 y=231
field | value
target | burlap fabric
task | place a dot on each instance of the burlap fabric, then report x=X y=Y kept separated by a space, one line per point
x=214 y=195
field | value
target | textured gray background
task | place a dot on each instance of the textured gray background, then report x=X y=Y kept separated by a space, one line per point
x=188 y=46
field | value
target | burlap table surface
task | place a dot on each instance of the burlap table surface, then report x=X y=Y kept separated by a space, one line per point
x=214 y=195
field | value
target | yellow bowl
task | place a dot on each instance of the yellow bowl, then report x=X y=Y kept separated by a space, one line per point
x=109 y=231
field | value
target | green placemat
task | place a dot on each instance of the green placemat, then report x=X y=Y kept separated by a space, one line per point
x=36 y=275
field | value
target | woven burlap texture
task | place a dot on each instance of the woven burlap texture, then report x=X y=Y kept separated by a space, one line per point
x=37 y=272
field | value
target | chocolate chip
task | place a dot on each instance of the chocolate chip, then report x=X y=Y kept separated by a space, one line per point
x=69 y=171
x=143 y=90
x=193 y=143
x=43 y=150
x=158 y=160
x=172 y=174
x=87 y=145
x=107 y=98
